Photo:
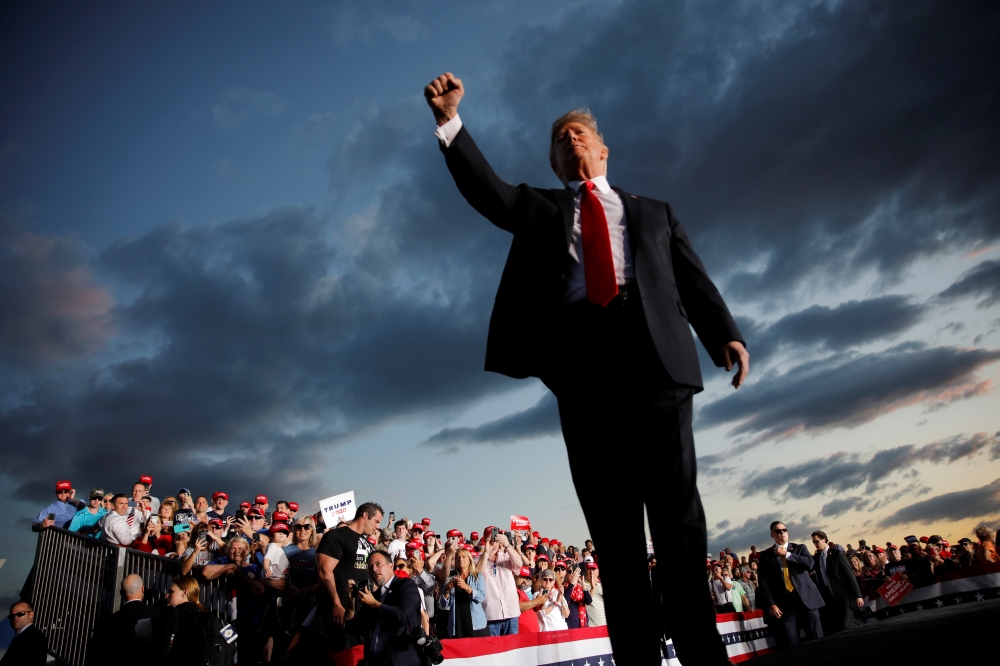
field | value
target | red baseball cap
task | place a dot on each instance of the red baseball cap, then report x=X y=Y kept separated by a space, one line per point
x=489 y=529
x=535 y=534
x=545 y=540
x=525 y=572
x=555 y=542
x=417 y=527
x=255 y=512
x=429 y=533
x=294 y=506
x=879 y=549
x=279 y=527
x=245 y=505
x=260 y=499
x=372 y=540
x=528 y=546
x=414 y=544
x=426 y=522
x=591 y=565
x=216 y=522
x=944 y=542
x=468 y=547
x=542 y=557
x=147 y=479
x=924 y=539
x=217 y=494
x=454 y=533
x=64 y=485
x=474 y=536
x=279 y=517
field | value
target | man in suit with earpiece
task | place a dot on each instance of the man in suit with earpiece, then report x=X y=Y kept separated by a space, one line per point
x=787 y=593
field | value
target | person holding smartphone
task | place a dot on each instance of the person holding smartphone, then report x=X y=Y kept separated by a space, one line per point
x=553 y=613
x=462 y=596
x=499 y=566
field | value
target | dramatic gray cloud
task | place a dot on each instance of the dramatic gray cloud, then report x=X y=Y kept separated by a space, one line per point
x=959 y=505
x=539 y=420
x=774 y=142
x=52 y=308
x=837 y=507
x=754 y=532
x=846 y=392
x=980 y=281
x=842 y=472
x=847 y=325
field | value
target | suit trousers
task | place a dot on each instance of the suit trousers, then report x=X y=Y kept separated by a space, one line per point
x=630 y=445
x=838 y=614
x=794 y=616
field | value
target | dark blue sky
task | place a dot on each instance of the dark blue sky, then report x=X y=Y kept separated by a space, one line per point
x=231 y=255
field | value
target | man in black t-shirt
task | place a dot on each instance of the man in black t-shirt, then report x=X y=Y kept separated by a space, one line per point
x=342 y=555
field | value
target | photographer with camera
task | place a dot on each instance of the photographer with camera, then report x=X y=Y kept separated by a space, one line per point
x=386 y=615
x=499 y=566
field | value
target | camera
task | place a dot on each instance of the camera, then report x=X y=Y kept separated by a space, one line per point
x=429 y=646
x=361 y=586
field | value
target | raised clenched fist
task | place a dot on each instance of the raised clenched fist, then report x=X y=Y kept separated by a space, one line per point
x=443 y=95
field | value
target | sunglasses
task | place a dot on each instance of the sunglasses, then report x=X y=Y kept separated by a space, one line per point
x=62 y=492
x=18 y=614
x=399 y=566
x=559 y=569
x=256 y=517
x=780 y=530
x=304 y=527
x=551 y=580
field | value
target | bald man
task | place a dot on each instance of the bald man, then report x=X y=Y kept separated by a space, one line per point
x=119 y=629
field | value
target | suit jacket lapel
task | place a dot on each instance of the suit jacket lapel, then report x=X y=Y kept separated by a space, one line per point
x=567 y=204
x=632 y=218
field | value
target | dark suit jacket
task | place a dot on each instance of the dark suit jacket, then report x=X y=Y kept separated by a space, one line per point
x=843 y=582
x=771 y=591
x=673 y=284
x=28 y=649
x=397 y=616
x=117 y=632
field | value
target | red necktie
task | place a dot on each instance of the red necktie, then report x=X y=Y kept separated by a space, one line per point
x=598 y=265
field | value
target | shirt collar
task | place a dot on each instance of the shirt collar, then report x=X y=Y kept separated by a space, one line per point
x=388 y=584
x=22 y=629
x=600 y=182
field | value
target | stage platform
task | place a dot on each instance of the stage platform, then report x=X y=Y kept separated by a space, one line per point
x=951 y=631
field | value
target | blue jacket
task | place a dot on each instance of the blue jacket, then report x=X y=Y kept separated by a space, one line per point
x=478 y=586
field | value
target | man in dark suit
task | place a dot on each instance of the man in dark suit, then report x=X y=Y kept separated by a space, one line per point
x=838 y=585
x=117 y=633
x=597 y=299
x=387 y=616
x=29 y=646
x=787 y=593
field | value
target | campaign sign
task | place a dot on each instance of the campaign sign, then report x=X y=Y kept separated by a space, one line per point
x=338 y=509
x=895 y=589
x=520 y=523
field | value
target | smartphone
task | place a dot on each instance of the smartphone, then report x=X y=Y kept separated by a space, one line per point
x=241 y=514
x=182 y=527
x=132 y=503
x=911 y=539
x=256 y=537
x=52 y=516
x=154 y=519
x=203 y=539
x=267 y=517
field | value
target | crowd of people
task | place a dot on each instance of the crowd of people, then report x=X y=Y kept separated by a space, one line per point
x=294 y=582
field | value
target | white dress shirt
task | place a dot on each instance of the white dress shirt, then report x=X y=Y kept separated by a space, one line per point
x=115 y=529
x=614 y=211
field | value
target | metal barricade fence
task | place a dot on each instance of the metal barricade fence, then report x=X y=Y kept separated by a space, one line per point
x=77 y=581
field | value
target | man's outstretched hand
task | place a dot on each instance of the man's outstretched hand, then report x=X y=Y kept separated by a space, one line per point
x=736 y=354
x=443 y=95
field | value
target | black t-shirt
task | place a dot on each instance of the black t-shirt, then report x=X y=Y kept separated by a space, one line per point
x=221 y=516
x=351 y=550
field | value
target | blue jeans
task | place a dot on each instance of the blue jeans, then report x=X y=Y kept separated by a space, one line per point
x=506 y=627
